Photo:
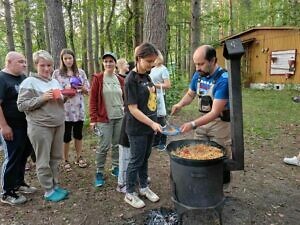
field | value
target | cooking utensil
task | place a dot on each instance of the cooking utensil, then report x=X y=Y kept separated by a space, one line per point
x=169 y=129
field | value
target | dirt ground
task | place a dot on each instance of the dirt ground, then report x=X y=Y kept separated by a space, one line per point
x=266 y=192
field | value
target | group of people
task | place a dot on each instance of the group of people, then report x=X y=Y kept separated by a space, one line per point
x=42 y=112
x=123 y=111
x=37 y=115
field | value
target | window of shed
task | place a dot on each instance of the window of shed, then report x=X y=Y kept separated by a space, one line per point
x=283 y=62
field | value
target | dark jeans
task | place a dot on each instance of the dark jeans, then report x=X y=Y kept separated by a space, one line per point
x=137 y=170
x=159 y=138
x=16 y=153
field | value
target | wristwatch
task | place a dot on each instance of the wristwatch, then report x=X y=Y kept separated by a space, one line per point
x=193 y=125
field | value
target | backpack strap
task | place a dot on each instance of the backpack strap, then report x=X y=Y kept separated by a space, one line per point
x=220 y=72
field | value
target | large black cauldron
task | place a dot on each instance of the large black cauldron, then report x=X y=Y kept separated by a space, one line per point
x=196 y=183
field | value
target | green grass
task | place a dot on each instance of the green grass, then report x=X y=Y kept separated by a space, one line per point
x=265 y=112
x=266 y=115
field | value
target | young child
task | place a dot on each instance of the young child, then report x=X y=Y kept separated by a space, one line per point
x=124 y=157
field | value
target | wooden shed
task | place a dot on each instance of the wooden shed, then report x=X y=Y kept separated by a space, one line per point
x=272 y=56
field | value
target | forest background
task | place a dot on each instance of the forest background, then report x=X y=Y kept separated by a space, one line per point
x=91 y=27
x=266 y=192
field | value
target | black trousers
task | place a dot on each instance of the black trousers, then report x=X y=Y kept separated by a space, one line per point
x=16 y=153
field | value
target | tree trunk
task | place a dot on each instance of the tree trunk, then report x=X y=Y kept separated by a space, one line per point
x=56 y=29
x=101 y=30
x=168 y=44
x=47 y=35
x=294 y=7
x=68 y=7
x=83 y=29
x=28 y=39
x=155 y=23
x=230 y=19
x=19 y=24
x=186 y=47
x=96 y=28
x=179 y=27
x=40 y=26
x=128 y=34
x=90 y=41
x=221 y=15
x=271 y=15
x=9 y=27
x=195 y=30
x=178 y=53
x=141 y=21
x=137 y=24
x=108 y=25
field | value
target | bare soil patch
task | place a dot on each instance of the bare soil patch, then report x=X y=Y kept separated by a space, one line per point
x=266 y=192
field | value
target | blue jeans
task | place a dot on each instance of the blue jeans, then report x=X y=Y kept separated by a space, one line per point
x=137 y=171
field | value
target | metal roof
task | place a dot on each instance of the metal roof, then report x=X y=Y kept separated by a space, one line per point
x=252 y=29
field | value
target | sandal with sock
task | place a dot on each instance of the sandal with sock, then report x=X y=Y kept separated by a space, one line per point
x=67 y=166
x=81 y=162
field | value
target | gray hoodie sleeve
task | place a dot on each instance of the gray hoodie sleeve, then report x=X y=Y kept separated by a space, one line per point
x=28 y=98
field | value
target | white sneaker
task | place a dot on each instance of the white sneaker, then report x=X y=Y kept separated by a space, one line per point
x=12 y=198
x=149 y=194
x=121 y=188
x=133 y=200
x=26 y=189
x=292 y=161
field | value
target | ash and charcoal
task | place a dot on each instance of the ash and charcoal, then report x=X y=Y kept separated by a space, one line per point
x=162 y=216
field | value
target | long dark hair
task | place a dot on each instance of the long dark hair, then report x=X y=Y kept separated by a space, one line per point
x=145 y=49
x=62 y=68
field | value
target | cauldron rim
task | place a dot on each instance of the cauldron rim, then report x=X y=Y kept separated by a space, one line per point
x=173 y=145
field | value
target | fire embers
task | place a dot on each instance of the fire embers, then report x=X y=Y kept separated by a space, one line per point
x=198 y=152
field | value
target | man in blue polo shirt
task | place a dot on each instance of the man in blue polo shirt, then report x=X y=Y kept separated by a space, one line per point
x=210 y=85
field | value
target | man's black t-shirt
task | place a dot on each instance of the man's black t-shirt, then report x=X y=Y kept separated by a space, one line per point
x=138 y=92
x=9 y=90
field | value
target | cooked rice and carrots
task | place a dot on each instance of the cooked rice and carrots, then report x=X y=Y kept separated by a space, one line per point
x=198 y=152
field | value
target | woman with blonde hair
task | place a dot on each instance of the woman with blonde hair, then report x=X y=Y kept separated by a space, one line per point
x=43 y=104
x=161 y=79
x=122 y=67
